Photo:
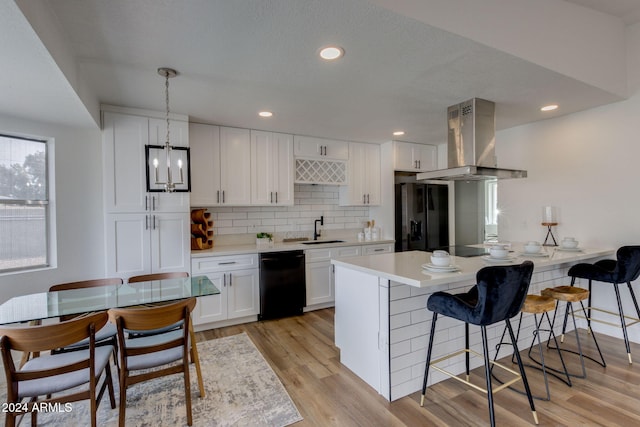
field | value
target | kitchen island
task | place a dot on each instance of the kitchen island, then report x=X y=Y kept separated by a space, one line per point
x=382 y=324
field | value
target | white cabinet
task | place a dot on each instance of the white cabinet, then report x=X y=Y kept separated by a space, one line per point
x=237 y=278
x=125 y=183
x=414 y=157
x=320 y=148
x=147 y=243
x=363 y=185
x=220 y=165
x=319 y=276
x=379 y=248
x=271 y=168
x=145 y=232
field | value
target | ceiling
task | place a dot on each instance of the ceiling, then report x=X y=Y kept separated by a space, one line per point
x=235 y=58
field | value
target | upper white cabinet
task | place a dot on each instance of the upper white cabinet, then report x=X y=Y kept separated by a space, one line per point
x=414 y=157
x=363 y=185
x=125 y=182
x=271 y=168
x=320 y=148
x=220 y=165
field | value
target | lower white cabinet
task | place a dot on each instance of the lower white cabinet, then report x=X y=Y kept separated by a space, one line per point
x=319 y=275
x=143 y=243
x=237 y=278
x=379 y=248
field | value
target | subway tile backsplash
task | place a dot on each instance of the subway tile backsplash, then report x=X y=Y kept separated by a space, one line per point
x=310 y=202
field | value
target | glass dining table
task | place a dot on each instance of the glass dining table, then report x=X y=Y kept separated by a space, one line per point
x=45 y=305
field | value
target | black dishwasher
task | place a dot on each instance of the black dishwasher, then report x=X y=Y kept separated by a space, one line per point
x=282 y=284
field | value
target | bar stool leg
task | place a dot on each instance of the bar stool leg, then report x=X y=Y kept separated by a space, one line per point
x=542 y=363
x=487 y=373
x=622 y=322
x=521 y=366
x=426 y=368
x=466 y=347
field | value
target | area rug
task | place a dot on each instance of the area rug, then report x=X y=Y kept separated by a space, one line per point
x=241 y=390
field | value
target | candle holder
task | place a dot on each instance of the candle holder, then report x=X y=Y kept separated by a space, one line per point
x=549 y=219
x=549 y=234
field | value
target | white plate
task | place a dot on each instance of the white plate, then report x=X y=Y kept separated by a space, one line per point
x=440 y=269
x=489 y=258
x=536 y=255
x=569 y=249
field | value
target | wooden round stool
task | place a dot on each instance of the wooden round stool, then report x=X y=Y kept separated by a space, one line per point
x=570 y=295
x=540 y=305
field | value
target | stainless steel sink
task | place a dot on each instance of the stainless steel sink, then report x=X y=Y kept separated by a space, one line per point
x=319 y=242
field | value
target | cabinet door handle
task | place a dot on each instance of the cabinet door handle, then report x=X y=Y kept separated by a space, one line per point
x=378 y=250
x=364 y=199
x=224 y=280
x=419 y=164
x=146 y=222
x=271 y=197
x=230 y=280
x=146 y=203
x=227 y=263
x=368 y=199
x=276 y=197
x=218 y=196
x=154 y=222
x=153 y=203
x=222 y=196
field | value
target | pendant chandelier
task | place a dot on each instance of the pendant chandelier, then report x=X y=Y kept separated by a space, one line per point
x=169 y=183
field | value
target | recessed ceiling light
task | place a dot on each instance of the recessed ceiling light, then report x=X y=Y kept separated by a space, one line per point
x=549 y=107
x=265 y=114
x=331 y=52
x=398 y=133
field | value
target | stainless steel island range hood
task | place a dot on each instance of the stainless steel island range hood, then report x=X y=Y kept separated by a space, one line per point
x=471 y=145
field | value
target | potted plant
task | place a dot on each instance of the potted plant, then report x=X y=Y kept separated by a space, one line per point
x=264 y=239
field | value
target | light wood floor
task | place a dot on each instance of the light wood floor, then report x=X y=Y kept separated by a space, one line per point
x=301 y=352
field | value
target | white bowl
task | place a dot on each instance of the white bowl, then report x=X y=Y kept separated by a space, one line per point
x=532 y=247
x=441 y=261
x=498 y=252
x=569 y=243
x=440 y=253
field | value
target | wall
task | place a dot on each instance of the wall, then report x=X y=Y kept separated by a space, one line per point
x=586 y=165
x=311 y=201
x=78 y=204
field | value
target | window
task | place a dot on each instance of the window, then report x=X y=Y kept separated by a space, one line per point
x=24 y=203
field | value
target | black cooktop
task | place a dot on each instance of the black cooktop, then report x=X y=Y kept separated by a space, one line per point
x=465 y=251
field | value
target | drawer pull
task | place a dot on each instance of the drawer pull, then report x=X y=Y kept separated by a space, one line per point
x=226 y=263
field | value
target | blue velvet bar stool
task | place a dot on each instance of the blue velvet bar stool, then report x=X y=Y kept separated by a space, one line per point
x=625 y=269
x=498 y=296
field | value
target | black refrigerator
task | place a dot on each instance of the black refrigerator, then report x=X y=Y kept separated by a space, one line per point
x=422 y=216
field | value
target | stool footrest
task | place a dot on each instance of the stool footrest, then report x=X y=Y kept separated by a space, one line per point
x=517 y=375
x=634 y=320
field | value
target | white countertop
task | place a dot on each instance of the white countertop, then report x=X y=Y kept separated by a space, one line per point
x=278 y=247
x=406 y=267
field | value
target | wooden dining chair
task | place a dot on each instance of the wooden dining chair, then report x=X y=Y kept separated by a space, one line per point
x=50 y=374
x=194 y=351
x=107 y=334
x=153 y=351
x=157 y=276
